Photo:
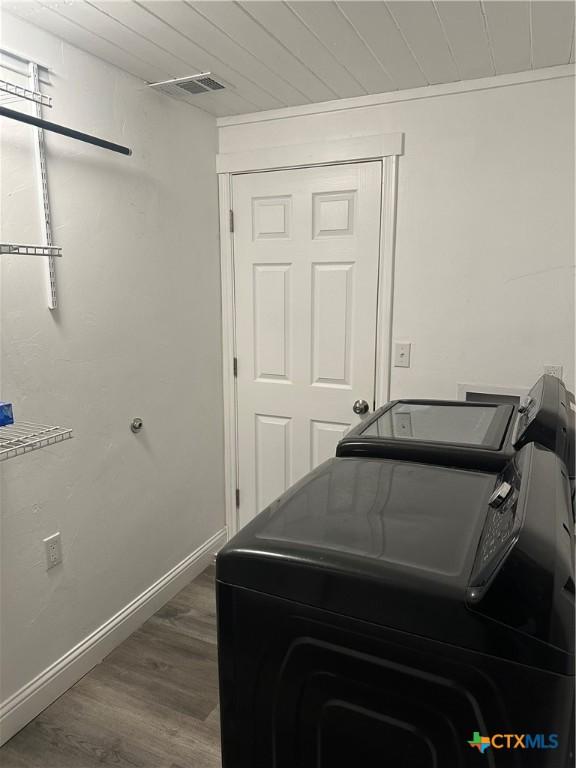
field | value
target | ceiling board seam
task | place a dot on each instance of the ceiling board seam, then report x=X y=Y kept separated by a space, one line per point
x=119 y=47
x=368 y=46
x=340 y=63
x=446 y=38
x=194 y=42
x=440 y=90
x=572 y=44
x=407 y=43
x=279 y=42
x=488 y=38
x=161 y=48
x=104 y=39
x=140 y=35
x=239 y=44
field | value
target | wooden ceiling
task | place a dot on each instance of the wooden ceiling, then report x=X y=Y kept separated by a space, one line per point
x=279 y=54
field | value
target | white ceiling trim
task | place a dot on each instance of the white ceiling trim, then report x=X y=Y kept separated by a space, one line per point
x=426 y=92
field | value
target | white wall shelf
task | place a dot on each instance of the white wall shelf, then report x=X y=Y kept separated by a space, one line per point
x=30 y=250
x=25 y=93
x=24 y=436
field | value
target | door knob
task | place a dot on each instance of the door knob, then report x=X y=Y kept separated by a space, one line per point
x=360 y=407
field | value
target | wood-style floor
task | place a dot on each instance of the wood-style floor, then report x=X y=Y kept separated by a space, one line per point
x=152 y=703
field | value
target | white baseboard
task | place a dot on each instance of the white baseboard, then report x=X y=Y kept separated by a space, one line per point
x=36 y=695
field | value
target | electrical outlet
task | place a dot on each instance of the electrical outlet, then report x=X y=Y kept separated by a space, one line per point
x=402 y=354
x=554 y=370
x=53 y=548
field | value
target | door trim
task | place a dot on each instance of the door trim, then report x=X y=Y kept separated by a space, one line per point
x=390 y=147
x=385 y=300
x=228 y=351
x=305 y=155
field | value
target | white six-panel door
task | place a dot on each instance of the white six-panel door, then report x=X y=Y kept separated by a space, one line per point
x=306 y=249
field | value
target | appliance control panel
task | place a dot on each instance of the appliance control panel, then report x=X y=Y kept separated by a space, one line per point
x=499 y=526
x=499 y=533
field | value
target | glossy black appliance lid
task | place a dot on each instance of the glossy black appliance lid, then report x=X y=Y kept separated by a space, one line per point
x=460 y=423
x=453 y=433
x=412 y=529
x=394 y=516
x=398 y=544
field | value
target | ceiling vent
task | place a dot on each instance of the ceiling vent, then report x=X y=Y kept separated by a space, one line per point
x=193 y=85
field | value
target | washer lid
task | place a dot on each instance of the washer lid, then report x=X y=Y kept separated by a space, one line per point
x=410 y=546
x=448 y=432
x=395 y=517
x=460 y=423
x=410 y=530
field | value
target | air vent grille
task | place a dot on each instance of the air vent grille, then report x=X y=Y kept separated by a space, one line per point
x=205 y=82
x=211 y=84
x=191 y=86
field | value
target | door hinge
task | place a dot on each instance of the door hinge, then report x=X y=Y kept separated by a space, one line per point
x=235 y=367
x=237 y=498
x=231 y=220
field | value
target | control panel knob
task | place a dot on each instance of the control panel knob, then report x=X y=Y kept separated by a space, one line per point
x=500 y=495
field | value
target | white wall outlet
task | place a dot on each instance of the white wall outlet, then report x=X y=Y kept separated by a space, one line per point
x=402 y=354
x=53 y=548
x=554 y=370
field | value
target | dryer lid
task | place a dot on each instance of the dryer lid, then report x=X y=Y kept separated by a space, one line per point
x=459 y=423
x=454 y=433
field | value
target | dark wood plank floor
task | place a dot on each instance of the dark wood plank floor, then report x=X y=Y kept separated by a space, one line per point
x=152 y=703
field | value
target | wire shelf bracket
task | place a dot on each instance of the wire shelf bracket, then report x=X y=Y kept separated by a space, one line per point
x=39 y=100
x=24 y=93
x=25 y=436
x=30 y=250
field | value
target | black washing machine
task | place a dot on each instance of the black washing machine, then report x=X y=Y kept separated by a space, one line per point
x=476 y=435
x=386 y=612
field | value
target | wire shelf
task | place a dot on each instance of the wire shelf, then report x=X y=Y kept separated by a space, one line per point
x=30 y=250
x=18 y=92
x=23 y=437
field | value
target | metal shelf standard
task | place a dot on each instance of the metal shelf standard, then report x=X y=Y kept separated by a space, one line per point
x=23 y=437
x=40 y=152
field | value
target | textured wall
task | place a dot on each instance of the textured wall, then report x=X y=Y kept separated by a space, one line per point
x=137 y=334
x=484 y=281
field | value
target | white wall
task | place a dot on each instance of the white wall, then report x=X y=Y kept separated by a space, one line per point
x=137 y=334
x=485 y=231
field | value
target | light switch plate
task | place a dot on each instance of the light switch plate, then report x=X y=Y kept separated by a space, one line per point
x=402 y=354
x=53 y=549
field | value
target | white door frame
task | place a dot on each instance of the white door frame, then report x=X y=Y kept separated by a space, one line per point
x=384 y=147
